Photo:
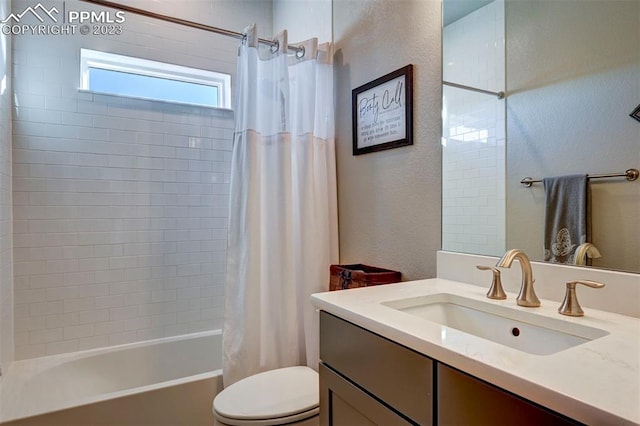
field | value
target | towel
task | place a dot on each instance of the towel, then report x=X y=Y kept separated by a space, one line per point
x=566 y=217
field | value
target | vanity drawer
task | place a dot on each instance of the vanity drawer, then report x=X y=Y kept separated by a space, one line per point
x=343 y=403
x=400 y=377
x=465 y=400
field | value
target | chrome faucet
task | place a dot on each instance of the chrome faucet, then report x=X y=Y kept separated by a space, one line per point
x=527 y=297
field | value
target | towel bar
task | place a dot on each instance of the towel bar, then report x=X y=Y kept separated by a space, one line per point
x=630 y=175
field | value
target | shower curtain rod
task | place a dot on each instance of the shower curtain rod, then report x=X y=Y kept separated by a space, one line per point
x=298 y=49
x=499 y=95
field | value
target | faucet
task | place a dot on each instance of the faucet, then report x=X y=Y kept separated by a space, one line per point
x=584 y=250
x=527 y=297
x=495 y=291
x=570 y=305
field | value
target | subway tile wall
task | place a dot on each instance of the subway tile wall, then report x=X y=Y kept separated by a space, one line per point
x=6 y=274
x=120 y=205
x=474 y=147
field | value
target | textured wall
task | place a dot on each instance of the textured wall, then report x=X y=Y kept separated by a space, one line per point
x=572 y=82
x=6 y=274
x=389 y=202
x=120 y=205
x=303 y=19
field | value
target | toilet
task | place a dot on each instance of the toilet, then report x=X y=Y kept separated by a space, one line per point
x=277 y=397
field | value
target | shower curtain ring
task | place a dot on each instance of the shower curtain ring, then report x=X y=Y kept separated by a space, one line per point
x=275 y=46
x=300 y=52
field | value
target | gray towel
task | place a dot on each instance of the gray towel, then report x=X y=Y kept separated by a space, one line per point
x=566 y=217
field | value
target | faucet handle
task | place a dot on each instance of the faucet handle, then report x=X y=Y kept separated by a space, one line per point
x=570 y=305
x=495 y=291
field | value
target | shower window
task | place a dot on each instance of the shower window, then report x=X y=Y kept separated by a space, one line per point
x=141 y=78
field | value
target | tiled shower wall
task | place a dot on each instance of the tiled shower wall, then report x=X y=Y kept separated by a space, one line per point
x=473 y=166
x=120 y=205
x=6 y=275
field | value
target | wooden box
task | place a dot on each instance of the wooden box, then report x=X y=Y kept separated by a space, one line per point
x=358 y=275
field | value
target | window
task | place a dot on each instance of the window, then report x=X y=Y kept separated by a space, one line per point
x=141 y=78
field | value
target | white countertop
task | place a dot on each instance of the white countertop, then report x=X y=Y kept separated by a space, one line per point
x=597 y=382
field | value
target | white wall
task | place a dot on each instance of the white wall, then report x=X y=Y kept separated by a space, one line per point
x=389 y=201
x=473 y=158
x=572 y=82
x=6 y=274
x=303 y=19
x=120 y=206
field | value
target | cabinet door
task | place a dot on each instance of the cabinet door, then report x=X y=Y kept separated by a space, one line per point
x=392 y=373
x=465 y=400
x=344 y=404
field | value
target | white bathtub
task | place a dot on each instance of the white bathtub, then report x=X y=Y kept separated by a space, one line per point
x=169 y=381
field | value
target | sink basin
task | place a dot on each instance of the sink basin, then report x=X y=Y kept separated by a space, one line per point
x=524 y=331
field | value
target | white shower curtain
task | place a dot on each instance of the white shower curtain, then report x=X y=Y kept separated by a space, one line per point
x=283 y=213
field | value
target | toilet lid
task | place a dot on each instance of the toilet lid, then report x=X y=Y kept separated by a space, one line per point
x=275 y=393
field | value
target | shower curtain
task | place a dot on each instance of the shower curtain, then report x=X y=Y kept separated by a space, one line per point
x=283 y=212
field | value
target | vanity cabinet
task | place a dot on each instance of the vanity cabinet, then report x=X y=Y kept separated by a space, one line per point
x=465 y=400
x=366 y=379
x=344 y=403
x=396 y=380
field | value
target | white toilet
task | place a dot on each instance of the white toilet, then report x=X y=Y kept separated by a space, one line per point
x=284 y=396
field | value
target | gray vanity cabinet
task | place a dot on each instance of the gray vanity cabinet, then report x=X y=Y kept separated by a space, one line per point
x=343 y=403
x=370 y=378
x=366 y=379
x=465 y=400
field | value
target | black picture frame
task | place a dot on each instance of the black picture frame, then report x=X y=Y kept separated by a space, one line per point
x=382 y=112
x=635 y=113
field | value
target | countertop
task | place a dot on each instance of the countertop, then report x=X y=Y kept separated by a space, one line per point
x=597 y=382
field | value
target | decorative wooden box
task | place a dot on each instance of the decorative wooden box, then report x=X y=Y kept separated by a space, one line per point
x=358 y=275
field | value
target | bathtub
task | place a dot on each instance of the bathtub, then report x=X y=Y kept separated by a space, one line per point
x=169 y=381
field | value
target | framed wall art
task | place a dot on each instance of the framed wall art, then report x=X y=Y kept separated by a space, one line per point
x=383 y=112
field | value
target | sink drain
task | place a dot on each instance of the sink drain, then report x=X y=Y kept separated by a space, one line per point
x=515 y=331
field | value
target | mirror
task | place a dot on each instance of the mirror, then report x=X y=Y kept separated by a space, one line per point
x=572 y=80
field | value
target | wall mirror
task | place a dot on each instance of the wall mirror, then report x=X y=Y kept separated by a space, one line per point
x=571 y=74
